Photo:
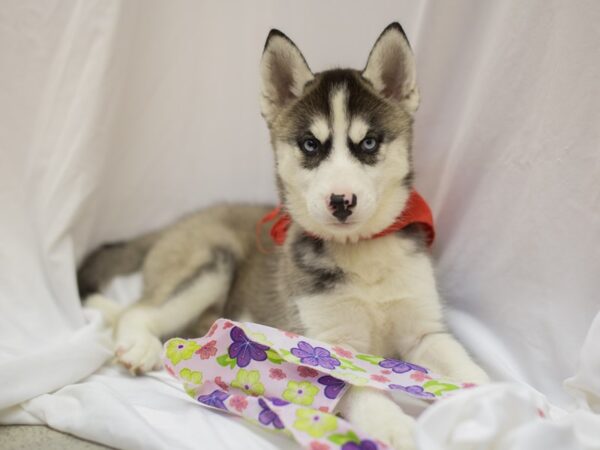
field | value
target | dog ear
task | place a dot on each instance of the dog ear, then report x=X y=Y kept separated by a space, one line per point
x=284 y=73
x=391 y=68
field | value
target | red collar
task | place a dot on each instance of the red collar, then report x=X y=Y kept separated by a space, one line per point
x=416 y=212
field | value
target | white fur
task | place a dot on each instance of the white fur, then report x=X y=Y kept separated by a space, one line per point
x=378 y=415
x=386 y=311
x=358 y=129
x=380 y=199
x=137 y=343
x=320 y=129
x=110 y=309
x=338 y=100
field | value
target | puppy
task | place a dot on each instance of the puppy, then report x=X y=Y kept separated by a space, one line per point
x=342 y=143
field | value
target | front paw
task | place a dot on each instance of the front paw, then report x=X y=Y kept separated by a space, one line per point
x=140 y=353
x=475 y=374
x=394 y=428
x=374 y=413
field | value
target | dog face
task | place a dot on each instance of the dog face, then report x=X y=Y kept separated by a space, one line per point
x=342 y=137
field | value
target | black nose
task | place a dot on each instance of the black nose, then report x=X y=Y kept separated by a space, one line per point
x=341 y=205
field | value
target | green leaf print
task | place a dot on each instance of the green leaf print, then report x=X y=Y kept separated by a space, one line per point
x=274 y=357
x=437 y=388
x=349 y=365
x=375 y=360
x=224 y=360
x=341 y=439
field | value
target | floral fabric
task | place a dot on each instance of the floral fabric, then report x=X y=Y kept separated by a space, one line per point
x=286 y=382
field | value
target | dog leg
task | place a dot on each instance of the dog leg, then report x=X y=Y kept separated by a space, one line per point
x=444 y=355
x=369 y=409
x=375 y=413
x=138 y=332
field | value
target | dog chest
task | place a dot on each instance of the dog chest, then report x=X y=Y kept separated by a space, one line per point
x=385 y=285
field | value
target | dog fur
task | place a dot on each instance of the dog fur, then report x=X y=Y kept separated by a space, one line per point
x=342 y=133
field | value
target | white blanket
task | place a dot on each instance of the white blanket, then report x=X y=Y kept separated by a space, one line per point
x=117 y=117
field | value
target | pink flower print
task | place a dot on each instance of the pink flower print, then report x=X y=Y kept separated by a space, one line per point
x=342 y=352
x=227 y=324
x=219 y=382
x=419 y=376
x=239 y=403
x=171 y=372
x=386 y=372
x=469 y=385
x=315 y=445
x=276 y=374
x=307 y=372
x=324 y=409
x=380 y=378
x=208 y=350
x=212 y=330
x=291 y=335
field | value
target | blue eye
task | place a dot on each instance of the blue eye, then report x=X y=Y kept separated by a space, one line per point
x=369 y=144
x=310 y=145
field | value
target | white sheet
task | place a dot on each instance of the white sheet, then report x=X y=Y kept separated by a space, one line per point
x=117 y=117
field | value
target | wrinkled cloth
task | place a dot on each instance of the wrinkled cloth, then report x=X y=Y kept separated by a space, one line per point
x=118 y=117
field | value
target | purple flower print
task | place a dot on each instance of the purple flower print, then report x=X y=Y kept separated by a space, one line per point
x=268 y=417
x=365 y=444
x=333 y=386
x=401 y=366
x=278 y=402
x=215 y=399
x=414 y=390
x=315 y=356
x=244 y=350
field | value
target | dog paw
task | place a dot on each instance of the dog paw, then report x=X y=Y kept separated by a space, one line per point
x=397 y=430
x=376 y=414
x=139 y=354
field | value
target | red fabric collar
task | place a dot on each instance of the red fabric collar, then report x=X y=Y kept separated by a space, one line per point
x=416 y=212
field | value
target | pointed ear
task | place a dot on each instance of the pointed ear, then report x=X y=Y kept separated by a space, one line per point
x=391 y=68
x=284 y=73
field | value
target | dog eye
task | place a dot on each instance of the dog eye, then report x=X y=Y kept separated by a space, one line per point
x=369 y=144
x=310 y=145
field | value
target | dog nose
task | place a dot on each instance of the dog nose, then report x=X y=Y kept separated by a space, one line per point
x=341 y=205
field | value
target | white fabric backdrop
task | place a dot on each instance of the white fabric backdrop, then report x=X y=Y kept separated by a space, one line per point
x=117 y=117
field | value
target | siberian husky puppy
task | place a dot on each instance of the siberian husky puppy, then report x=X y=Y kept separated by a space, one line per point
x=342 y=142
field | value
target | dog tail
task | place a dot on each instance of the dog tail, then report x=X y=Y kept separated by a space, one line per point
x=111 y=260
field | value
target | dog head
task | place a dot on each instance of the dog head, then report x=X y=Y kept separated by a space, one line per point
x=342 y=138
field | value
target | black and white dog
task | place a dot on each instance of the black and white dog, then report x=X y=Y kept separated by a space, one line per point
x=342 y=142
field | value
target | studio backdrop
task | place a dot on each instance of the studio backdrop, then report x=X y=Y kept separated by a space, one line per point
x=117 y=117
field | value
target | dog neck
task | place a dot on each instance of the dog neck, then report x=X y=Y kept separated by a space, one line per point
x=416 y=211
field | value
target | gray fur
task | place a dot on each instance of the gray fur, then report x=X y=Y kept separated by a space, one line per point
x=309 y=256
x=221 y=259
x=110 y=260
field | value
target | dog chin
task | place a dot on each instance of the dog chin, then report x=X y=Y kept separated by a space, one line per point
x=342 y=233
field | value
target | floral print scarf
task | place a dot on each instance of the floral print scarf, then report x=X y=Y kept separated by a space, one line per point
x=289 y=383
